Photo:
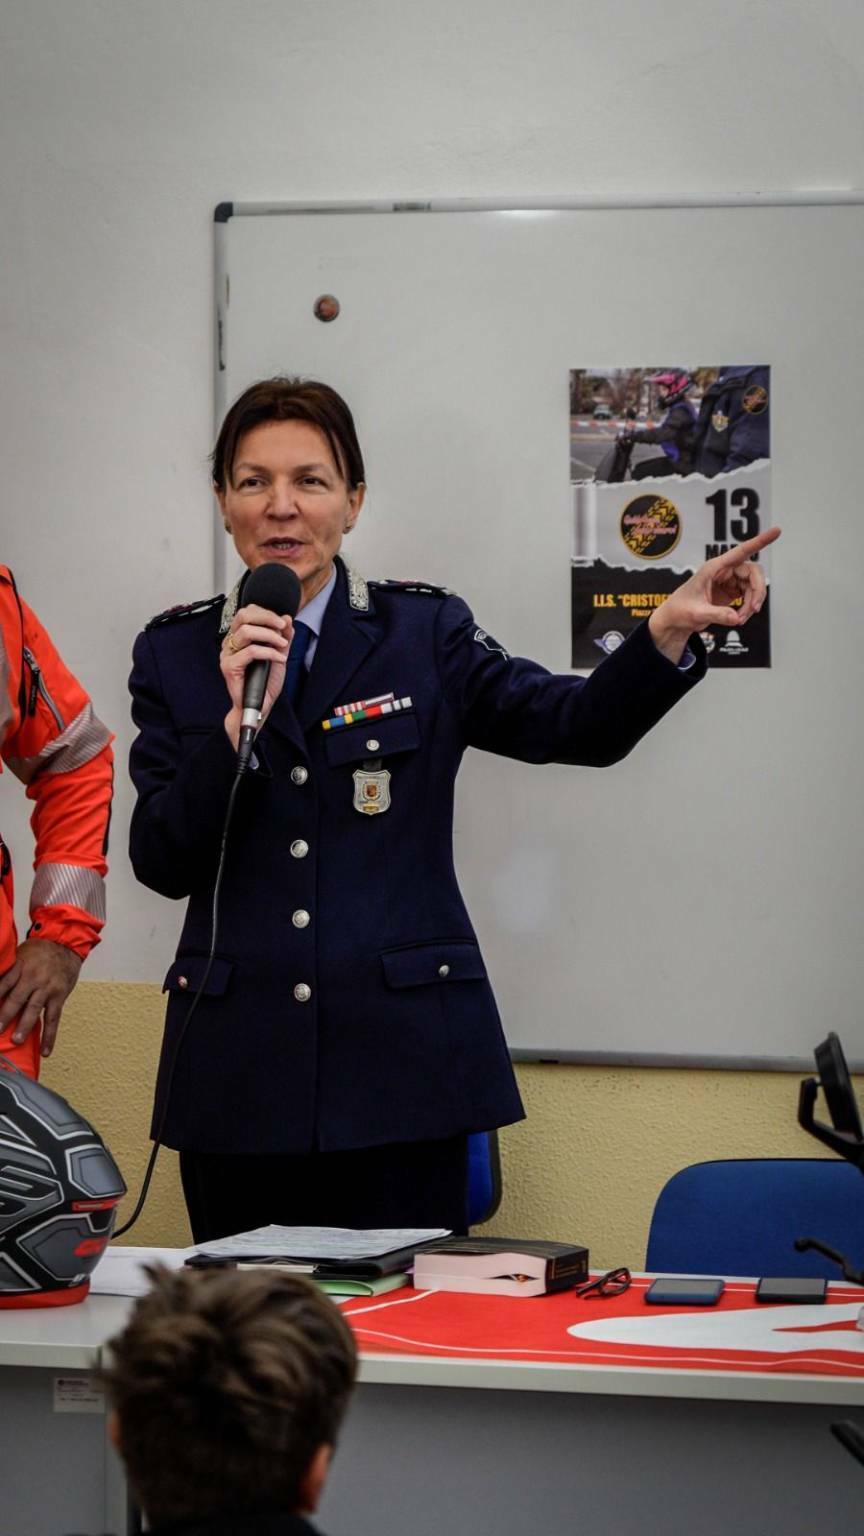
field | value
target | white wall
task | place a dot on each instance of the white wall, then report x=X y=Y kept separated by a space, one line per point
x=122 y=124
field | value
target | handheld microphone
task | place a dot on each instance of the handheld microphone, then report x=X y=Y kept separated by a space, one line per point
x=277 y=588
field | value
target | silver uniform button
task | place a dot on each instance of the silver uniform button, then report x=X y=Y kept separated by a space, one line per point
x=302 y=992
x=299 y=849
x=300 y=919
x=372 y=745
x=299 y=775
x=443 y=970
x=183 y=981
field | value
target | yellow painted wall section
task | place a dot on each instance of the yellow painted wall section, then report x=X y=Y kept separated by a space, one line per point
x=588 y=1163
x=105 y=1064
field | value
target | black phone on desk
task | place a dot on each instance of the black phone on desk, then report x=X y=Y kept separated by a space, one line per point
x=801 y=1288
x=684 y=1291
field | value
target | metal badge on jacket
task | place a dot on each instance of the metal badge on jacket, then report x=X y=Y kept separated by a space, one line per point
x=371 y=790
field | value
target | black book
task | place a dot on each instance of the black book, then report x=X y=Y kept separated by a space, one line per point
x=500 y=1266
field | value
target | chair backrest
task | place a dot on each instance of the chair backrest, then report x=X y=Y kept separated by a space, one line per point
x=484 y=1177
x=742 y=1216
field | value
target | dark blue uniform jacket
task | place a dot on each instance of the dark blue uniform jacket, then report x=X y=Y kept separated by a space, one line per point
x=400 y=1038
x=733 y=427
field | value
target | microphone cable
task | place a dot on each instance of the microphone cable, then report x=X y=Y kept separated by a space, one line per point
x=214 y=932
x=273 y=586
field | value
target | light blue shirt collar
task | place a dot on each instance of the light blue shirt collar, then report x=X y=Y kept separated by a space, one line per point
x=312 y=614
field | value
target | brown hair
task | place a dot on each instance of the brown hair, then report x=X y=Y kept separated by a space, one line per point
x=225 y=1383
x=287 y=399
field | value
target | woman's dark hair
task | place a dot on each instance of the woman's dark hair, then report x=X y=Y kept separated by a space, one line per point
x=225 y=1383
x=286 y=399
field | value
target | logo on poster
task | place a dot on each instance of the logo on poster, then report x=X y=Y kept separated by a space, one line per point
x=650 y=526
x=733 y=645
x=610 y=641
x=755 y=399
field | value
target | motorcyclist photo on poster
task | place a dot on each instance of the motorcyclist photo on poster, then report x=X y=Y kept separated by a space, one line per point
x=669 y=466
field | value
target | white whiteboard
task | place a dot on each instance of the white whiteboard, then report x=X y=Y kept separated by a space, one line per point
x=704 y=900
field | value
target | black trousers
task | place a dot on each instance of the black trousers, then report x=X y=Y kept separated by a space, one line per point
x=405 y=1184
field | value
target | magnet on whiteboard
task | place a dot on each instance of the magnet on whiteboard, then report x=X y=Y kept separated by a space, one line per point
x=326 y=307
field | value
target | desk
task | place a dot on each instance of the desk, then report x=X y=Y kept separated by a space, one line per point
x=679 y=1421
x=60 y=1472
x=462 y=1428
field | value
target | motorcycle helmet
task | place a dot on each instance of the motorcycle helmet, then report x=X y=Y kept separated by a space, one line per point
x=59 y=1189
x=673 y=384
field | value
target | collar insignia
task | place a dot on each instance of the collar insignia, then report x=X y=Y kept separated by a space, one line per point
x=358 y=591
x=358 y=598
x=229 y=608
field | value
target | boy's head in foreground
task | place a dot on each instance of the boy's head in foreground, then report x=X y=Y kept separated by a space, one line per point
x=228 y=1388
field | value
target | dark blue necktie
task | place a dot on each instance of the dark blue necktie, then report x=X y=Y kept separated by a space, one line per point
x=295 y=669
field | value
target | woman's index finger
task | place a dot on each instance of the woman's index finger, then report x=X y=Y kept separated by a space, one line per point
x=750 y=547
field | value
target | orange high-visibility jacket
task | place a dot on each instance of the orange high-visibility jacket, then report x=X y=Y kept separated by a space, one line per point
x=52 y=741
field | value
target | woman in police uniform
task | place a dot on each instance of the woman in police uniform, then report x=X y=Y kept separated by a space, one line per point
x=347 y=1040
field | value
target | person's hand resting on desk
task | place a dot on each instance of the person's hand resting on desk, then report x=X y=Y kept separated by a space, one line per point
x=707 y=596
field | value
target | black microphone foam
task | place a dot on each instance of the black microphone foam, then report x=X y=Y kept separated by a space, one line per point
x=277 y=588
x=272 y=586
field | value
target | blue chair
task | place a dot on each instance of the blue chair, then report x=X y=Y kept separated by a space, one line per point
x=742 y=1216
x=484 y=1177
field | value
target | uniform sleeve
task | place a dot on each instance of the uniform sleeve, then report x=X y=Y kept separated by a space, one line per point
x=183 y=784
x=515 y=708
x=62 y=753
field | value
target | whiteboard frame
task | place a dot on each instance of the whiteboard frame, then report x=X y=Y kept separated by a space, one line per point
x=223 y=212
x=617 y=202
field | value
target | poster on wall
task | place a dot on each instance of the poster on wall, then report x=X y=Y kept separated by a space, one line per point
x=669 y=466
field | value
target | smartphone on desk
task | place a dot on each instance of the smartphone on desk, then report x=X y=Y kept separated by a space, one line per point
x=684 y=1291
x=800 y=1289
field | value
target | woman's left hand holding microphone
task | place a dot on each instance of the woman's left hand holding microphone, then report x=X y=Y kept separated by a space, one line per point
x=255 y=635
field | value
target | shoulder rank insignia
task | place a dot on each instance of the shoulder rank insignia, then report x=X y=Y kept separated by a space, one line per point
x=426 y=588
x=183 y=611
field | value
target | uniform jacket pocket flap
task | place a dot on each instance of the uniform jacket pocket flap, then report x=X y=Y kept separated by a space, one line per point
x=187 y=972
x=372 y=738
x=422 y=964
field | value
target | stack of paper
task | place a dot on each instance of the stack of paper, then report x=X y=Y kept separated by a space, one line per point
x=120 y=1271
x=344 y=1261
